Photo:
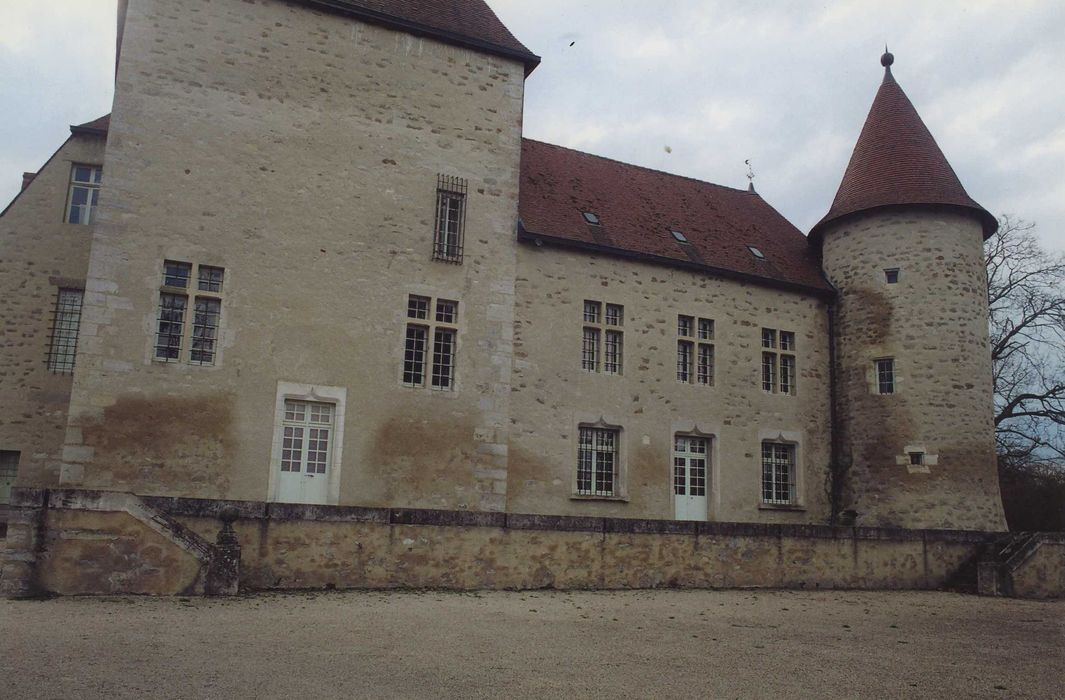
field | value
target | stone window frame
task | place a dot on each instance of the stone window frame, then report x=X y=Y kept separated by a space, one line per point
x=435 y=320
x=602 y=337
x=794 y=440
x=90 y=186
x=892 y=275
x=203 y=283
x=310 y=393
x=695 y=349
x=620 y=491
x=65 y=329
x=779 y=361
x=878 y=376
x=927 y=459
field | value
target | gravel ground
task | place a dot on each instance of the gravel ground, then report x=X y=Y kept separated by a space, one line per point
x=721 y=644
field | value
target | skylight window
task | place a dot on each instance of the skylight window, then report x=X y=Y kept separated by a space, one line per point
x=591 y=218
x=756 y=253
x=681 y=238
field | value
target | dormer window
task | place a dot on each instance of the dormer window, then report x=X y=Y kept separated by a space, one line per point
x=591 y=218
x=756 y=253
x=892 y=275
x=681 y=238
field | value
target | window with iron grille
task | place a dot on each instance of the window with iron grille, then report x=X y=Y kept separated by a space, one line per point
x=885 y=375
x=779 y=372
x=63 y=343
x=178 y=337
x=778 y=473
x=430 y=319
x=695 y=350
x=450 y=218
x=597 y=462
x=602 y=338
x=84 y=194
x=8 y=473
x=306 y=437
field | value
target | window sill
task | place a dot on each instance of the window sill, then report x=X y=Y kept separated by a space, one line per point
x=782 y=506
x=582 y=497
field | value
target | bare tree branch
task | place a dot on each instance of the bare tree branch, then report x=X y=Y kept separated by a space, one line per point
x=1026 y=303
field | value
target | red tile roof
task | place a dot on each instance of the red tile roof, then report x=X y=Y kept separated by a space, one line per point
x=897 y=162
x=96 y=126
x=639 y=208
x=470 y=23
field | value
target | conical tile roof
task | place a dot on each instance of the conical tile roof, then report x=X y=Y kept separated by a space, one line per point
x=897 y=162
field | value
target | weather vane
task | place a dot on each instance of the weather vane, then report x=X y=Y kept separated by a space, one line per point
x=750 y=175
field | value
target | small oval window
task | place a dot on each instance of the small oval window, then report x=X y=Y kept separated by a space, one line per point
x=591 y=218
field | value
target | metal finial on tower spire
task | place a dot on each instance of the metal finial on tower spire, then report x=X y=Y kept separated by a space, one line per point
x=886 y=60
x=750 y=176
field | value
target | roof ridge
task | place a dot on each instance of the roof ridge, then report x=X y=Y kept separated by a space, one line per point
x=643 y=167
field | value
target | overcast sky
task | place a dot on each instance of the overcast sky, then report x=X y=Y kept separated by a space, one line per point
x=694 y=87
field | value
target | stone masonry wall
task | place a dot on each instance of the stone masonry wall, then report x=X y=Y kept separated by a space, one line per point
x=39 y=254
x=553 y=395
x=287 y=546
x=933 y=322
x=299 y=150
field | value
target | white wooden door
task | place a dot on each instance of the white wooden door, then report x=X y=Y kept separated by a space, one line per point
x=306 y=452
x=690 y=464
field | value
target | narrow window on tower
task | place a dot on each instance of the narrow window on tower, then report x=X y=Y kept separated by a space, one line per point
x=450 y=218
x=885 y=375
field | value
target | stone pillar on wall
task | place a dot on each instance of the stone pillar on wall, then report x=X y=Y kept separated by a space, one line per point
x=223 y=571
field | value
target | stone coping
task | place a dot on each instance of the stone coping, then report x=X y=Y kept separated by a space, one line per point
x=176 y=506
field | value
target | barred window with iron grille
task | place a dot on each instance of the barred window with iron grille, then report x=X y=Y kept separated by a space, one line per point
x=778 y=361
x=84 y=194
x=602 y=339
x=778 y=473
x=695 y=350
x=63 y=343
x=450 y=218
x=597 y=462
x=177 y=336
x=434 y=319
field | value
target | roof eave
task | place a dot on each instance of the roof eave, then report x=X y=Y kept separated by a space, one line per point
x=527 y=236
x=529 y=59
x=87 y=131
x=988 y=223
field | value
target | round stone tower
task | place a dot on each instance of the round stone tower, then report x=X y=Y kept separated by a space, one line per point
x=903 y=244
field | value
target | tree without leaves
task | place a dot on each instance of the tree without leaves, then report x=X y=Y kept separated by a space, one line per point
x=1026 y=298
